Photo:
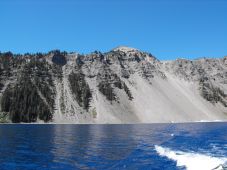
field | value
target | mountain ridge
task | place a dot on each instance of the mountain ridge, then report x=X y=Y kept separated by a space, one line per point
x=124 y=85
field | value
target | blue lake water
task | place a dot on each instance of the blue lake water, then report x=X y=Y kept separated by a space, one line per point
x=149 y=146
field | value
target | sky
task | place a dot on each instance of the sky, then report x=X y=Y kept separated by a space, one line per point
x=168 y=29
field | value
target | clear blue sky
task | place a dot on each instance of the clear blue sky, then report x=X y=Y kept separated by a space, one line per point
x=166 y=28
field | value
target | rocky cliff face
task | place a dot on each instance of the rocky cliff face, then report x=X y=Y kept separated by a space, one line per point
x=124 y=85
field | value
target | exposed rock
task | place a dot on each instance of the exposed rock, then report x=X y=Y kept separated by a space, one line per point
x=124 y=85
x=58 y=58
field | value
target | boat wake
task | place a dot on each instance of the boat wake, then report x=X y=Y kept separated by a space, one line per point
x=193 y=161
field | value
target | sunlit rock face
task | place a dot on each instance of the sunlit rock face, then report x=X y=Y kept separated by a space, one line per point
x=124 y=85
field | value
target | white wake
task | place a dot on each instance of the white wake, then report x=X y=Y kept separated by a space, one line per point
x=192 y=161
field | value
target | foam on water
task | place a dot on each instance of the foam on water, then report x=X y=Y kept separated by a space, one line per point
x=190 y=160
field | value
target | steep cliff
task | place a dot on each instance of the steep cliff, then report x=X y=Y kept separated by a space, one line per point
x=124 y=85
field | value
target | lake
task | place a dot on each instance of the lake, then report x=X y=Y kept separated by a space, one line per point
x=148 y=146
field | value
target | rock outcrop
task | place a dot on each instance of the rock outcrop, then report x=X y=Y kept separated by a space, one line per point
x=124 y=85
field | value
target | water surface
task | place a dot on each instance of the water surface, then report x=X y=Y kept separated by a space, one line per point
x=149 y=146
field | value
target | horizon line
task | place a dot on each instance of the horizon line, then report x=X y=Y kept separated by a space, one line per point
x=82 y=53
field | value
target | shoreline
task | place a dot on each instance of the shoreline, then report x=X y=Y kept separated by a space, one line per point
x=52 y=123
